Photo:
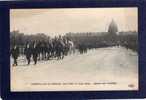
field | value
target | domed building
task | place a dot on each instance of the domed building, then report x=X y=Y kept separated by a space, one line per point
x=113 y=28
x=112 y=33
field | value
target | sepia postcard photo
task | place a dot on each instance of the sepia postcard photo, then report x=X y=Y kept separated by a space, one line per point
x=74 y=49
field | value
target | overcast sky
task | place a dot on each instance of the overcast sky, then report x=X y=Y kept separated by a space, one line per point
x=60 y=21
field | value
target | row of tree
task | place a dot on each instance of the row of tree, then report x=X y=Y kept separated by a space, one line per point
x=89 y=40
x=128 y=40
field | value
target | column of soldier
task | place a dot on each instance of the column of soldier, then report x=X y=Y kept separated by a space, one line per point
x=55 y=48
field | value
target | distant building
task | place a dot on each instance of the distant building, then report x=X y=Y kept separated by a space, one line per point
x=113 y=28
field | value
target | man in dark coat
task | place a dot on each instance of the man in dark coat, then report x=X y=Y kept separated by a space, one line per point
x=49 y=48
x=15 y=54
x=35 y=52
x=28 y=52
x=59 y=49
x=39 y=50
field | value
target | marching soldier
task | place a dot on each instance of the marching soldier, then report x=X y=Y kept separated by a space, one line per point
x=28 y=53
x=59 y=48
x=35 y=52
x=15 y=54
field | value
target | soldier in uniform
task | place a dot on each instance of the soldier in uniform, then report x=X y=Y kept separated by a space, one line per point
x=35 y=52
x=59 y=48
x=66 y=47
x=39 y=50
x=43 y=50
x=54 y=47
x=15 y=54
x=28 y=52
x=49 y=49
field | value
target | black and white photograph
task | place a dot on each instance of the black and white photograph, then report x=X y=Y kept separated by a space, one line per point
x=74 y=49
